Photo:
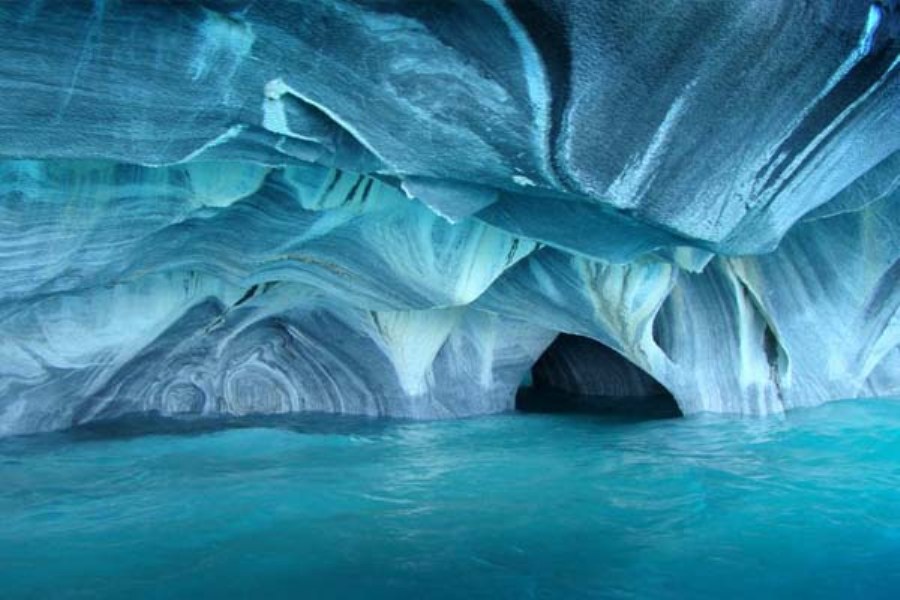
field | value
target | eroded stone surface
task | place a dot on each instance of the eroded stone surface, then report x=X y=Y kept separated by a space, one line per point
x=393 y=207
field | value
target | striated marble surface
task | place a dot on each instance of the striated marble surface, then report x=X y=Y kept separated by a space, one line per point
x=394 y=207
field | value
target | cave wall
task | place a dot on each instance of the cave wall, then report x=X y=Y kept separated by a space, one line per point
x=378 y=208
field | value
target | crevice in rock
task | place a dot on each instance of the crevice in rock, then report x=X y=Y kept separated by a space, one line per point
x=776 y=355
x=661 y=336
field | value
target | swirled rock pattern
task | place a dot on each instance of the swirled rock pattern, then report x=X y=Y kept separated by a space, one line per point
x=393 y=207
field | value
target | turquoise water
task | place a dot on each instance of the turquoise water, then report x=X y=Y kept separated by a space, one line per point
x=511 y=506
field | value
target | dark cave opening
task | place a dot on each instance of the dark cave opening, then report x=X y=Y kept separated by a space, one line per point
x=581 y=375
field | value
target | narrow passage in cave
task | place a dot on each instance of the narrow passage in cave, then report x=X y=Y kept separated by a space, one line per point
x=580 y=375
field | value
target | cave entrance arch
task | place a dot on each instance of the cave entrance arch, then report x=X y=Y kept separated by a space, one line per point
x=576 y=374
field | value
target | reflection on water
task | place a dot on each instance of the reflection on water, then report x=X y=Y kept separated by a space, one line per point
x=511 y=506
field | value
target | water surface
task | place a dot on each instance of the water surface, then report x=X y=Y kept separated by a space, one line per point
x=510 y=506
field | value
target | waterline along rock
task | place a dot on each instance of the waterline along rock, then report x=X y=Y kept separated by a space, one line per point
x=394 y=207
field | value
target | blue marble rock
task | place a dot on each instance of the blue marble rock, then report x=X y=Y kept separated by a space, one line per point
x=393 y=207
